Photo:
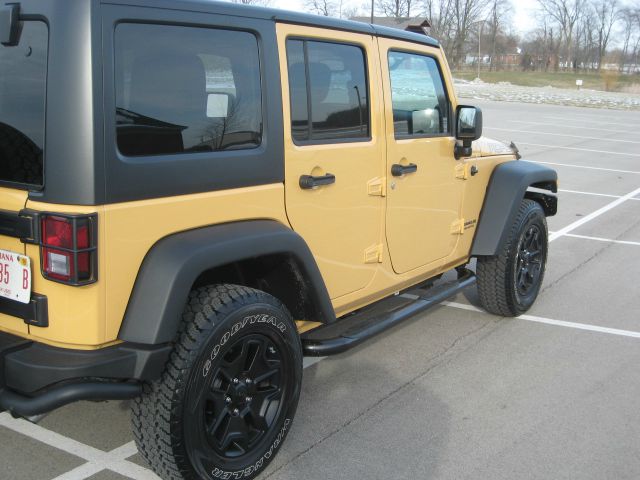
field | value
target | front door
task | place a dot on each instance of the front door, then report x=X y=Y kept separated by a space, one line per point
x=424 y=195
x=334 y=161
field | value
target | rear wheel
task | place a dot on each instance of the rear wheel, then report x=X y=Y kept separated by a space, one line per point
x=228 y=396
x=509 y=282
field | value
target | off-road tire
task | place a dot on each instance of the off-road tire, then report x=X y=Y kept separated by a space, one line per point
x=498 y=286
x=217 y=321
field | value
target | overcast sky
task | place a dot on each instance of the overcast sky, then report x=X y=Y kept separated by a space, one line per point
x=524 y=16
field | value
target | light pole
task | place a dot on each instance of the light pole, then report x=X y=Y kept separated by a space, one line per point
x=480 y=24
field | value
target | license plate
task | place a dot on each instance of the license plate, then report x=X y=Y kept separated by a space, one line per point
x=15 y=276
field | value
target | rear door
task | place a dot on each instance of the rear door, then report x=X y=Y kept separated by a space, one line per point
x=23 y=69
x=333 y=118
x=424 y=193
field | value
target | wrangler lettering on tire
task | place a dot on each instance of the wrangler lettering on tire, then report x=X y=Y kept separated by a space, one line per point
x=509 y=282
x=229 y=393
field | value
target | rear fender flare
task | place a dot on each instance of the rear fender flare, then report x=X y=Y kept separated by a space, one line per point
x=173 y=264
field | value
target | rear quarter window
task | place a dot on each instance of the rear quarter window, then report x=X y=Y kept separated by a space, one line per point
x=186 y=89
x=23 y=74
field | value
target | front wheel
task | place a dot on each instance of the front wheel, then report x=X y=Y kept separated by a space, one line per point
x=229 y=393
x=509 y=282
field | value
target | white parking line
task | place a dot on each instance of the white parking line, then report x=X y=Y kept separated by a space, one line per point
x=592 y=215
x=114 y=461
x=579 y=127
x=50 y=438
x=556 y=147
x=557 y=323
x=582 y=137
x=584 y=166
x=97 y=460
x=600 y=239
x=592 y=119
x=594 y=194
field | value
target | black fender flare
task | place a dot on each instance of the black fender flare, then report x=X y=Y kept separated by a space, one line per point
x=506 y=189
x=173 y=264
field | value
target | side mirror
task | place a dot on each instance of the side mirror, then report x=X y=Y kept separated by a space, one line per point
x=468 y=129
x=9 y=25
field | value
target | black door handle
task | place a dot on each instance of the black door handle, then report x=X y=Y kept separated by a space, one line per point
x=398 y=170
x=309 y=181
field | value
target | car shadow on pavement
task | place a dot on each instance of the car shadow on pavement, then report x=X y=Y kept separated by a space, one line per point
x=346 y=428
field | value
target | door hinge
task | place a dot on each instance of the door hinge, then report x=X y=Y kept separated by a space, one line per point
x=457 y=227
x=462 y=171
x=377 y=187
x=373 y=254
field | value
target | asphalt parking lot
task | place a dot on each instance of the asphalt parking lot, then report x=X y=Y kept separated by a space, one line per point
x=457 y=393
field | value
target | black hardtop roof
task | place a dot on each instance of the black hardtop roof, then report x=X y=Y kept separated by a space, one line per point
x=277 y=15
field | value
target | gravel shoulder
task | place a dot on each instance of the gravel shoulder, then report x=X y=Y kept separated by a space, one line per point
x=506 y=92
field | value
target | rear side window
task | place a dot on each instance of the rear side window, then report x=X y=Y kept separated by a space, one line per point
x=328 y=91
x=420 y=104
x=23 y=74
x=186 y=90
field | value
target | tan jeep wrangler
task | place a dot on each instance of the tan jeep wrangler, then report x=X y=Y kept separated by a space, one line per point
x=194 y=195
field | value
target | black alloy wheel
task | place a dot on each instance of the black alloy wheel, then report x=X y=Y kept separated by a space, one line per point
x=243 y=396
x=529 y=266
x=240 y=402
x=510 y=281
x=228 y=396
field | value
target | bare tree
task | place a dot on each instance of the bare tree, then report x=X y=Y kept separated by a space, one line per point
x=566 y=13
x=607 y=15
x=627 y=32
x=351 y=11
x=452 y=21
x=630 y=20
x=585 y=44
x=498 y=21
x=466 y=14
x=440 y=16
x=540 y=50
x=325 y=8
x=636 y=48
x=395 y=8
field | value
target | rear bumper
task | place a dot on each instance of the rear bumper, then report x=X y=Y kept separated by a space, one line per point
x=37 y=378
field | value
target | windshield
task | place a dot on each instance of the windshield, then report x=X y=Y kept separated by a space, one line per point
x=23 y=70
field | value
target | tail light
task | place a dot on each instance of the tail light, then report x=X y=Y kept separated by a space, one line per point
x=68 y=248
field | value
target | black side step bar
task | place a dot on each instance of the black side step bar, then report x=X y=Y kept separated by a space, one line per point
x=350 y=331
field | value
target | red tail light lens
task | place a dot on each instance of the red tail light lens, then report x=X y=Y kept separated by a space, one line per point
x=68 y=249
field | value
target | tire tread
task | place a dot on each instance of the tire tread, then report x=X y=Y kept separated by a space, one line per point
x=493 y=271
x=157 y=435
